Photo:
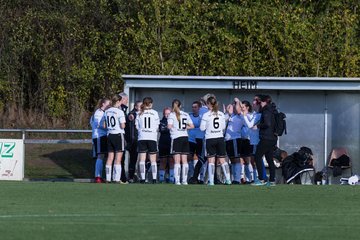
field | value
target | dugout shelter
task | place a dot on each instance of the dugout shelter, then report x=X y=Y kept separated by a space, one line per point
x=322 y=113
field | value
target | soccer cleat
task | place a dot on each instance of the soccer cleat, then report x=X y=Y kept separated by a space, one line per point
x=227 y=182
x=178 y=183
x=258 y=183
x=153 y=181
x=271 y=184
x=201 y=182
x=235 y=182
x=142 y=181
x=98 y=180
x=211 y=184
x=184 y=183
x=126 y=182
x=243 y=181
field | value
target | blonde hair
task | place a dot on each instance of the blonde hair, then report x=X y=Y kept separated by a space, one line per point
x=176 y=104
x=147 y=101
x=115 y=98
x=101 y=102
x=214 y=104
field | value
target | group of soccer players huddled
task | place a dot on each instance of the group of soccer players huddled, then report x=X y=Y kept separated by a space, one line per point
x=207 y=145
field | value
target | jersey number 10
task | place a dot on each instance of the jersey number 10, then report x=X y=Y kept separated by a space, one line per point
x=111 y=122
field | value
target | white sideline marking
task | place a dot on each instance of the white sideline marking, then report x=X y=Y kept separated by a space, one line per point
x=172 y=215
x=56 y=215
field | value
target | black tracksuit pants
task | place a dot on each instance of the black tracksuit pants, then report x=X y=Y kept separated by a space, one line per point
x=265 y=147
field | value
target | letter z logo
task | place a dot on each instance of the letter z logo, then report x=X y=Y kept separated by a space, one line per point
x=7 y=149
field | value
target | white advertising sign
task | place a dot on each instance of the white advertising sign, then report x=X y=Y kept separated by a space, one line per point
x=11 y=159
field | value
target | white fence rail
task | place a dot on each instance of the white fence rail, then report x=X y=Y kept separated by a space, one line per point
x=49 y=140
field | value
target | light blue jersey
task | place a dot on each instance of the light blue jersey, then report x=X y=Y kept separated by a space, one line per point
x=235 y=125
x=251 y=120
x=195 y=132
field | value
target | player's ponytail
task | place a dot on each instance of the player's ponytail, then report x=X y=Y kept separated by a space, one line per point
x=115 y=98
x=213 y=103
x=101 y=102
x=146 y=104
x=176 y=104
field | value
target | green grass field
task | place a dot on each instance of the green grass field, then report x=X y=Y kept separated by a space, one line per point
x=47 y=210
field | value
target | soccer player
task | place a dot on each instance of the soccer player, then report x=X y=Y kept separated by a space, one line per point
x=99 y=137
x=213 y=123
x=115 y=124
x=201 y=165
x=178 y=123
x=147 y=123
x=124 y=107
x=246 y=150
x=165 y=157
x=196 y=137
x=232 y=140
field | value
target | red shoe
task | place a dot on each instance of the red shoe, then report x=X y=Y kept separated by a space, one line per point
x=98 y=180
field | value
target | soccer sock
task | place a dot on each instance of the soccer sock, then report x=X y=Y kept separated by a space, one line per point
x=264 y=177
x=211 y=172
x=142 y=170
x=185 y=170
x=247 y=173
x=226 y=170
x=108 y=169
x=161 y=175
x=171 y=175
x=255 y=174
x=191 y=168
x=117 y=172
x=251 y=172
x=154 y=170
x=237 y=171
x=242 y=170
x=99 y=167
x=203 y=172
x=177 y=169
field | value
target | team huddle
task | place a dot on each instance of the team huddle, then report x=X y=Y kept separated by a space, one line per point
x=182 y=147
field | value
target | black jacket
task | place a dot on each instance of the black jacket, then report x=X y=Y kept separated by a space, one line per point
x=267 y=123
x=131 y=133
x=165 y=139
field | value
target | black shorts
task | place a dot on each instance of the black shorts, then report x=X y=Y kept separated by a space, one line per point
x=232 y=148
x=116 y=142
x=147 y=146
x=99 y=145
x=164 y=150
x=196 y=148
x=215 y=147
x=180 y=145
x=245 y=148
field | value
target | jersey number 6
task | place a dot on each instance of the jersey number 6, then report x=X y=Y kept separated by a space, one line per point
x=216 y=123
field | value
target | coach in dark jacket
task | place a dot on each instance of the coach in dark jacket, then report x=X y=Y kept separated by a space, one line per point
x=131 y=137
x=268 y=139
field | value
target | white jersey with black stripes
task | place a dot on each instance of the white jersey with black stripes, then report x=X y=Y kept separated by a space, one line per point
x=213 y=123
x=114 y=117
x=147 y=124
x=179 y=126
